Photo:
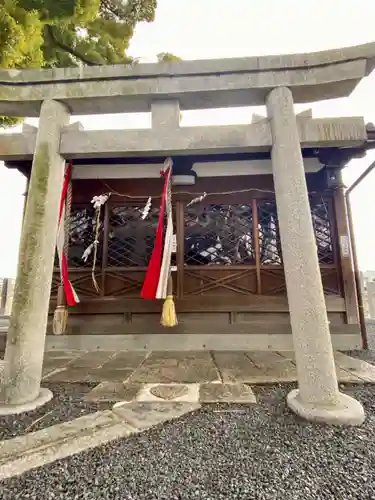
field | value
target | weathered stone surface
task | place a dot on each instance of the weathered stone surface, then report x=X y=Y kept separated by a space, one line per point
x=108 y=375
x=226 y=393
x=125 y=360
x=165 y=113
x=177 y=367
x=28 y=321
x=113 y=391
x=356 y=367
x=317 y=380
x=59 y=441
x=64 y=354
x=203 y=84
x=66 y=375
x=43 y=397
x=234 y=366
x=308 y=314
x=145 y=415
x=95 y=359
x=169 y=392
x=322 y=132
x=346 y=410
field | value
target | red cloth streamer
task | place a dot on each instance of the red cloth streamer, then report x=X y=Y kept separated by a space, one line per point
x=70 y=294
x=151 y=281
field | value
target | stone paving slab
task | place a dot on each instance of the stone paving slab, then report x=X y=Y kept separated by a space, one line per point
x=226 y=393
x=344 y=373
x=356 y=367
x=23 y=453
x=142 y=416
x=233 y=366
x=104 y=374
x=179 y=393
x=68 y=375
x=95 y=359
x=179 y=367
x=265 y=367
x=190 y=367
x=265 y=359
x=190 y=393
x=271 y=367
x=113 y=391
x=126 y=360
x=66 y=354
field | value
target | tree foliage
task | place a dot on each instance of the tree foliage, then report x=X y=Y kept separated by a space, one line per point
x=168 y=57
x=65 y=33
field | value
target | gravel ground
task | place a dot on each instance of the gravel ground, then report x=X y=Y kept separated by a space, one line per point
x=220 y=453
x=66 y=405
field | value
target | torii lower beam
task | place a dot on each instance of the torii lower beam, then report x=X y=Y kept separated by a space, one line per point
x=174 y=140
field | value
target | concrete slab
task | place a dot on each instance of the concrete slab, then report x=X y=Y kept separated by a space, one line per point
x=142 y=416
x=177 y=367
x=226 y=393
x=113 y=391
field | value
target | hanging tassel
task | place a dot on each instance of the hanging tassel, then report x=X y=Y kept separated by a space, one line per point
x=169 y=317
x=60 y=316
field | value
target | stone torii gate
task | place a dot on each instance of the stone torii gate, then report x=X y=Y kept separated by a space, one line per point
x=276 y=81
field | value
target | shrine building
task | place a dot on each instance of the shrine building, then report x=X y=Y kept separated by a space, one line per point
x=261 y=255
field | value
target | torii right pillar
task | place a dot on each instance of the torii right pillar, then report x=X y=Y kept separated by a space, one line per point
x=318 y=397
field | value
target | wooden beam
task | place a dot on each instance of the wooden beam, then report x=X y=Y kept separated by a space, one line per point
x=260 y=328
x=253 y=303
x=347 y=274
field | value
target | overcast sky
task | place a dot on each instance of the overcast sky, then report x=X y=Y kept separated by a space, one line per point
x=201 y=29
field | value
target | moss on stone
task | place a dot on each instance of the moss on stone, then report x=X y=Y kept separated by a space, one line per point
x=31 y=239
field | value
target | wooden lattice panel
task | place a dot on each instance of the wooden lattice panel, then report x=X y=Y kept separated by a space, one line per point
x=226 y=251
x=269 y=234
x=82 y=235
x=218 y=234
x=219 y=281
x=123 y=284
x=320 y=211
x=130 y=239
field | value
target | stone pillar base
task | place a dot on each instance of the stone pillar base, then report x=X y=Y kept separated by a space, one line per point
x=347 y=411
x=44 y=396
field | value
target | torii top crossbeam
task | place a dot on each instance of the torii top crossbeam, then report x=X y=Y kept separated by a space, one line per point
x=195 y=84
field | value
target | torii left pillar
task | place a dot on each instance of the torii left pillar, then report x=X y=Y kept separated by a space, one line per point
x=22 y=374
